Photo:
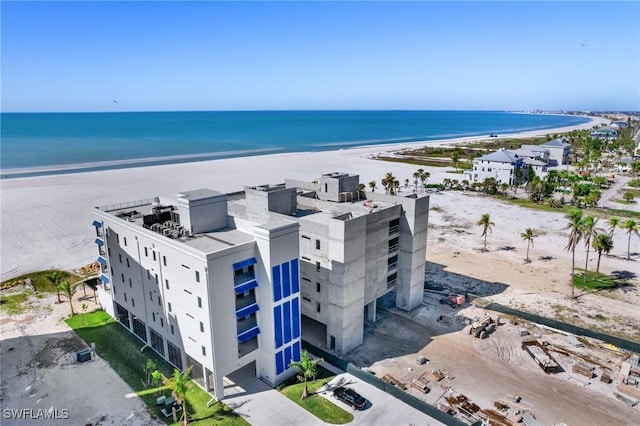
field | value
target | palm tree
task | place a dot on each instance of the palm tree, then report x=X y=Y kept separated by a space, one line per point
x=589 y=231
x=632 y=228
x=307 y=368
x=613 y=222
x=602 y=243
x=388 y=182
x=423 y=177
x=575 y=235
x=528 y=235
x=179 y=385
x=485 y=222
x=372 y=185
x=455 y=157
x=55 y=278
x=68 y=290
x=416 y=176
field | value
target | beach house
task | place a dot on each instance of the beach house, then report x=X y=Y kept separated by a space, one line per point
x=559 y=151
x=500 y=165
x=224 y=282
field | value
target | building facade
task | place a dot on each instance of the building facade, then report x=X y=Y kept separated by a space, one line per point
x=500 y=165
x=201 y=288
x=558 y=152
x=222 y=282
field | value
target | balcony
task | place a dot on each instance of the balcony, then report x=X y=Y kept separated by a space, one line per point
x=244 y=301
x=247 y=324
x=394 y=229
x=243 y=277
x=246 y=311
x=393 y=249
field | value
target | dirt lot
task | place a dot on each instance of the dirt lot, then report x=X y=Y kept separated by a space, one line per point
x=491 y=370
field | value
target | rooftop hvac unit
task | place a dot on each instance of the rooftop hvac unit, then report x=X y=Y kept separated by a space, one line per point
x=166 y=231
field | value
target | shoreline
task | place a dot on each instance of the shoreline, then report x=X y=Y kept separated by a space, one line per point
x=43 y=171
x=46 y=219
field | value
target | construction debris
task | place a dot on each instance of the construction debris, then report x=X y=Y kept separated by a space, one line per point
x=541 y=356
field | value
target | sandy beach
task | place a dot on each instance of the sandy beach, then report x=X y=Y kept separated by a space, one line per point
x=46 y=220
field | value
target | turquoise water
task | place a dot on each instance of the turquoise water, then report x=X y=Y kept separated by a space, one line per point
x=47 y=143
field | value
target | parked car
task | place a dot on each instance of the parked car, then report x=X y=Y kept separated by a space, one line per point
x=350 y=397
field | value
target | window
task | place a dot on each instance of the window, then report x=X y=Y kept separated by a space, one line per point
x=128 y=263
x=159 y=301
x=306 y=279
x=125 y=241
x=318 y=287
x=204 y=352
x=318 y=307
x=130 y=285
x=157 y=279
x=166 y=284
x=197 y=276
x=201 y=326
x=146 y=252
x=394 y=226
x=305 y=237
x=153 y=315
x=120 y=257
x=150 y=295
x=148 y=274
x=164 y=260
x=172 y=329
x=117 y=238
x=306 y=299
x=111 y=268
x=190 y=316
x=161 y=322
x=169 y=306
x=187 y=291
x=133 y=302
x=122 y=277
x=305 y=258
x=489 y=169
x=154 y=255
x=199 y=302
x=109 y=251
x=317 y=266
x=317 y=244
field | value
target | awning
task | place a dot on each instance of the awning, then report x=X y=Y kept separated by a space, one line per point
x=102 y=261
x=249 y=334
x=247 y=310
x=97 y=224
x=99 y=242
x=246 y=286
x=244 y=263
x=104 y=279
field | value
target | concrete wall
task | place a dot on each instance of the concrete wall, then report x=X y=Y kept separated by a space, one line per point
x=204 y=214
x=270 y=199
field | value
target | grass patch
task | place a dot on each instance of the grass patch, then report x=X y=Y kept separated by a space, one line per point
x=12 y=304
x=603 y=282
x=40 y=281
x=121 y=350
x=317 y=405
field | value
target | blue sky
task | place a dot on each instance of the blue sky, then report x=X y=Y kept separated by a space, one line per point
x=79 y=56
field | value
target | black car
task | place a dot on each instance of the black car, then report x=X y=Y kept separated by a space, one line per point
x=350 y=397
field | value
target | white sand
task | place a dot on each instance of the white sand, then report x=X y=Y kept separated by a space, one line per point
x=46 y=221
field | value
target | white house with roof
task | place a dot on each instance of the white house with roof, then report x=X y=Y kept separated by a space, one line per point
x=558 y=152
x=533 y=152
x=500 y=165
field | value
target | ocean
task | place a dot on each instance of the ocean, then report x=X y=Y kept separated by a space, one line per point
x=49 y=143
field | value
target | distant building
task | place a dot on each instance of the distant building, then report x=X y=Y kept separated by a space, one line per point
x=500 y=165
x=534 y=152
x=559 y=151
x=223 y=282
x=604 y=133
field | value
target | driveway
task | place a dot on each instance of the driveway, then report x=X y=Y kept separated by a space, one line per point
x=261 y=405
x=382 y=409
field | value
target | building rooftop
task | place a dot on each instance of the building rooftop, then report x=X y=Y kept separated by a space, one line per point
x=199 y=194
x=501 y=156
x=556 y=143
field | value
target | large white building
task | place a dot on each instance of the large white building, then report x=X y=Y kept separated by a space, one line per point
x=559 y=151
x=221 y=282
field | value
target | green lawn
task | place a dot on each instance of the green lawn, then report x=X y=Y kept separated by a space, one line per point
x=603 y=282
x=121 y=350
x=317 y=405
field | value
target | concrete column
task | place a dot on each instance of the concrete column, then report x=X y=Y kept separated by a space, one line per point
x=371 y=311
x=218 y=386
x=205 y=378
